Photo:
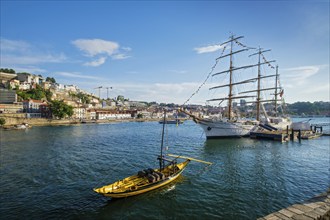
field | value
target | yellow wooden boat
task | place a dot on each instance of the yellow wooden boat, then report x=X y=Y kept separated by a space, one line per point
x=148 y=179
x=144 y=181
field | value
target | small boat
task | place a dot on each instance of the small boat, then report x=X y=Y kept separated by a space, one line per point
x=148 y=179
x=22 y=126
x=175 y=121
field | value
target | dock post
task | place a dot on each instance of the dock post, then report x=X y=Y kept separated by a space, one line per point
x=292 y=135
x=299 y=135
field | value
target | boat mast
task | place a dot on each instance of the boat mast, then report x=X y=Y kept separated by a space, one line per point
x=258 y=93
x=230 y=78
x=161 y=161
x=276 y=80
x=259 y=79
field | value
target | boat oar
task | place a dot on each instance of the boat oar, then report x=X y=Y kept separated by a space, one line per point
x=189 y=158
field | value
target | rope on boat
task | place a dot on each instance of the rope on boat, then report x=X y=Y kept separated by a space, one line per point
x=208 y=76
x=213 y=67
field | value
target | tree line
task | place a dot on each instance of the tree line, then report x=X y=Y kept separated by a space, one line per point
x=309 y=108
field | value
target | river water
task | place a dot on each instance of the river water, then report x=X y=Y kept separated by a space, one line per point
x=49 y=173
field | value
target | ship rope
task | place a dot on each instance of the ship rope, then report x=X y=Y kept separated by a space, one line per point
x=208 y=76
x=266 y=61
x=213 y=68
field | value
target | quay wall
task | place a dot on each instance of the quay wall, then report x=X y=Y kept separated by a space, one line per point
x=15 y=119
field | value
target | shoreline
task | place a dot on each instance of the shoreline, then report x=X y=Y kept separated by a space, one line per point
x=13 y=121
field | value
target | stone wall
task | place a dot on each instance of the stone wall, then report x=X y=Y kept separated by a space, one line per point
x=14 y=119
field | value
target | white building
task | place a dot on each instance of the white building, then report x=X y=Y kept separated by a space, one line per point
x=108 y=115
x=71 y=88
x=30 y=78
x=80 y=113
x=24 y=86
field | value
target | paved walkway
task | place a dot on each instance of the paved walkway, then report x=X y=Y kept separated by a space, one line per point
x=317 y=208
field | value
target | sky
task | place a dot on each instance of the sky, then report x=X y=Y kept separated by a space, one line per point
x=163 y=51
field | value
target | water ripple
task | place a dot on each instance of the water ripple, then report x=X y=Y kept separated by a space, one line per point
x=49 y=173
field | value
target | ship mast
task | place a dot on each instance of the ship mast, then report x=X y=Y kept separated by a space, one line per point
x=230 y=78
x=258 y=93
x=276 y=80
x=258 y=101
x=230 y=97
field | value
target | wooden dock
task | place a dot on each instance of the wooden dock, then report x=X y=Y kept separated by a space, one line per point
x=317 y=208
x=269 y=135
x=284 y=136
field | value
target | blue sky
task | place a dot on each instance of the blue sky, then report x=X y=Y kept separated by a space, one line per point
x=162 y=50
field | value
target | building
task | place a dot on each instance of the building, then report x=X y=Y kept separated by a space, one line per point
x=7 y=96
x=32 y=107
x=242 y=102
x=13 y=83
x=46 y=85
x=30 y=78
x=91 y=114
x=71 y=88
x=24 y=86
x=4 y=77
x=80 y=113
x=108 y=114
x=11 y=108
x=45 y=110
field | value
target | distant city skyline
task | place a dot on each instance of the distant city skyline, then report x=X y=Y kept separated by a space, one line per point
x=163 y=51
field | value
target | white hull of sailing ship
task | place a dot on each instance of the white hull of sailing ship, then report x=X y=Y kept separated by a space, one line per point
x=225 y=129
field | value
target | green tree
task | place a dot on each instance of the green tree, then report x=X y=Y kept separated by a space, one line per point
x=6 y=70
x=38 y=93
x=48 y=95
x=50 y=79
x=61 y=110
x=2 y=121
x=120 y=98
x=22 y=95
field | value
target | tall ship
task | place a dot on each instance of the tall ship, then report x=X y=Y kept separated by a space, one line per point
x=230 y=123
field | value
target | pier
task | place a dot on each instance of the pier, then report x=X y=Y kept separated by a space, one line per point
x=317 y=208
x=266 y=132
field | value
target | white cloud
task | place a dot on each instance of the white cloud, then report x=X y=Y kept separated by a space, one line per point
x=161 y=92
x=28 y=69
x=13 y=45
x=15 y=53
x=76 y=75
x=120 y=56
x=93 y=47
x=19 y=59
x=299 y=75
x=179 y=71
x=97 y=62
x=126 y=48
x=101 y=49
x=208 y=49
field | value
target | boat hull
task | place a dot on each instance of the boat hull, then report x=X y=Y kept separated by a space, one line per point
x=129 y=187
x=223 y=129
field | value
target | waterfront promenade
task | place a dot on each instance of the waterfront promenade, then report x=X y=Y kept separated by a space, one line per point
x=12 y=120
x=317 y=208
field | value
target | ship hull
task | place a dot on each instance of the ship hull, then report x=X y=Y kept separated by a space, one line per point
x=223 y=129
